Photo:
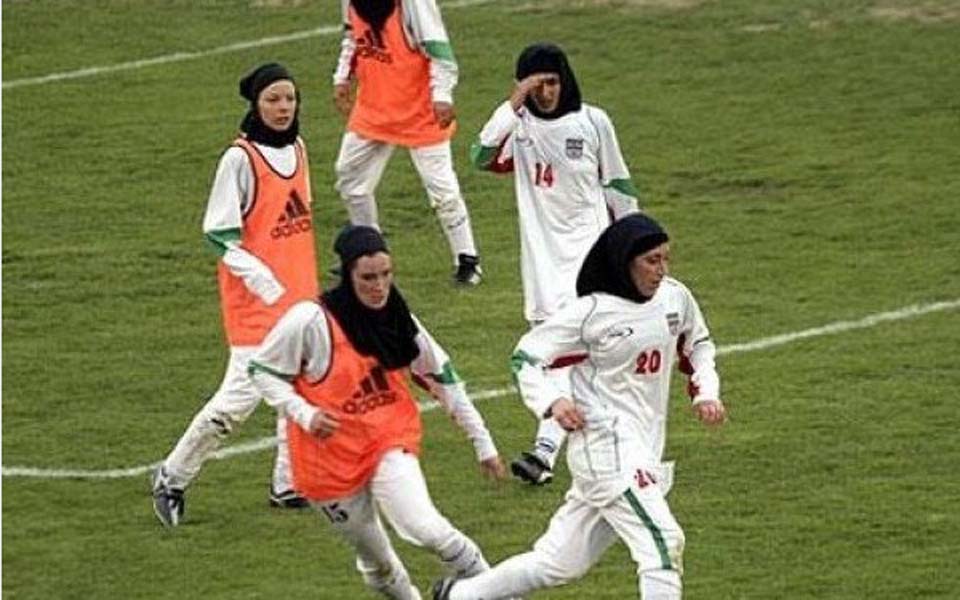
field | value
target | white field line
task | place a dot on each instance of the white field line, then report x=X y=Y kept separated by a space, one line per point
x=907 y=312
x=183 y=56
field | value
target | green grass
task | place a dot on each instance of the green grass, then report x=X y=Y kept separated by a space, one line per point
x=802 y=154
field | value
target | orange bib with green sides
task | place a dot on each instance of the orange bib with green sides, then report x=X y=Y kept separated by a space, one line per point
x=376 y=411
x=393 y=87
x=278 y=230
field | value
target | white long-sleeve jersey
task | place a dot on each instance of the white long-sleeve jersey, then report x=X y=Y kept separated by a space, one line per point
x=622 y=382
x=230 y=198
x=300 y=344
x=570 y=179
x=424 y=30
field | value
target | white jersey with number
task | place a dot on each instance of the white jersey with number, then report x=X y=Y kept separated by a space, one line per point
x=571 y=181
x=622 y=380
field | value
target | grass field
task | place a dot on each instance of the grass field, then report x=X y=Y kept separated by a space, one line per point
x=804 y=155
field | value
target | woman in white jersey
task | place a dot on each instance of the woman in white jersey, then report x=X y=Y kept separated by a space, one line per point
x=630 y=323
x=571 y=182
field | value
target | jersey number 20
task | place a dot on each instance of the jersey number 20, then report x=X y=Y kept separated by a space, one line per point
x=648 y=362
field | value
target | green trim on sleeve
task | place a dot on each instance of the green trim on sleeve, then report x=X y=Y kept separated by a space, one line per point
x=439 y=50
x=624 y=186
x=517 y=361
x=255 y=366
x=447 y=375
x=482 y=156
x=219 y=238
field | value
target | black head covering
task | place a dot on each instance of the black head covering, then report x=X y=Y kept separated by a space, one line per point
x=374 y=12
x=388 y=333
x=250 y=87
x=549 y=58
x=607 y=266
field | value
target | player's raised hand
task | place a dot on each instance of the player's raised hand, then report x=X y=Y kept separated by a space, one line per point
x=494 y=468
x=710 y=412
x=524 y=87
x=323 y=425
x=567 y=415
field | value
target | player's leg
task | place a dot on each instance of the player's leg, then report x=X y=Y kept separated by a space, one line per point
x=231 y=404
x=575 y=539
x=400 y=491
x=643 y=520
x=434 y=163
x=536 y=466
x=282 y=492
x=359 y=167
x=356 y=520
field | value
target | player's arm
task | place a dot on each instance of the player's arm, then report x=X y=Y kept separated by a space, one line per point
x=698 y=360
x=343 y=73
x=433 y=370
x=558 y=340
x=425 y=30
x=492 y=151
x=230 y=197
x=618 y=190
x=299 y=344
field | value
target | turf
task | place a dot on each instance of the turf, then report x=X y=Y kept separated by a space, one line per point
x=802 y=154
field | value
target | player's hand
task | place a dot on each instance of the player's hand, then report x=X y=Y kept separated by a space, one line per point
x=524 y=87
x=493 y=468
x=323 y=425
x=342 y=99
x=444 y=113
x=567 y=415
x=710 y=412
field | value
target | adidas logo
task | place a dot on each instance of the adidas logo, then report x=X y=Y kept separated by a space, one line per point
x=295 y=218
x=374 y=393
x=370 y=45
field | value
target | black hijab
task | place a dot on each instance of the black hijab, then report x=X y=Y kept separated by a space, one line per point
x=388 y=333
x=607 y=266
x=374 y=12
x=549 y=58
x=250 y=88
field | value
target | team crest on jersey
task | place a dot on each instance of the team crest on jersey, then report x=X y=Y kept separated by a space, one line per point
x=574 y=148
x=673 y=323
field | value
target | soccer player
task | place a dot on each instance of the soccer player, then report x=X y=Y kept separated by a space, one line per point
x=571 y=181
x=628 y=326
x=398 y=54
x=259 y=220
x=339 y=370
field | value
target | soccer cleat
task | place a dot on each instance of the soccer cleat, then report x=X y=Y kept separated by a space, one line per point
x=532 y=469
x=441 y=589
x=468 y=270
x=168 y=503
x=287 y=499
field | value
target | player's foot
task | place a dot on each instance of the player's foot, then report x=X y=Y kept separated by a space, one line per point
x=468 y=270
x=441 y=589
x=287 y=499
x=532 y=469
x=168 y=503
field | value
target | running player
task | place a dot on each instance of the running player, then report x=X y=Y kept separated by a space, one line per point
x=629 y=325
x=339 y=369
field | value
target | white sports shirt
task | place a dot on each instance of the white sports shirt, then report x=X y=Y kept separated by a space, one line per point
x=570 y=178
x=300 y=344
x=622 y=384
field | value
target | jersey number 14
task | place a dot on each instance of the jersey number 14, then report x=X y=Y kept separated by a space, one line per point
x=544 y=176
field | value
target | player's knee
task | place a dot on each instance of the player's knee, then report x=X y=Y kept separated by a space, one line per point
x=216 y=422
x=432 y=531
x=561 y=569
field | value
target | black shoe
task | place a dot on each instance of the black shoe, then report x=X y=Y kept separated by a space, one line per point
x=441 y=589
x=287 y=499
x=468 y=270
x=168 y=503
x=532 y=469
